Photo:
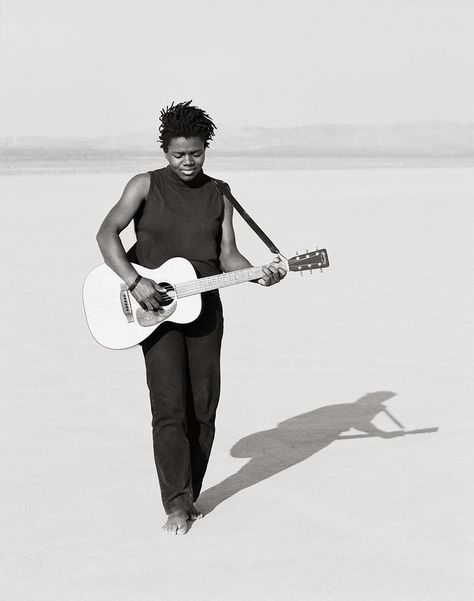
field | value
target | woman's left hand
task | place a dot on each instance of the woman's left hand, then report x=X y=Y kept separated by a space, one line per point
x=273 y=273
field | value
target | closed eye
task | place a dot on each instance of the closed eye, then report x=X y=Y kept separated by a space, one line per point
x=178 y=155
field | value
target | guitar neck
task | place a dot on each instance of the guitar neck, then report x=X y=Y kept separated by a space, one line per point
x=215 y=282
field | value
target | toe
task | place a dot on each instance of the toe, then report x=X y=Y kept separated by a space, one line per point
x=169 y=528
x=195 y=514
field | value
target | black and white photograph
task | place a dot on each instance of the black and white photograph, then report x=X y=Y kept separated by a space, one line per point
x=237 y=329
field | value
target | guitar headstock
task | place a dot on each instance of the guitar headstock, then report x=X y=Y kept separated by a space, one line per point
x=309 y=260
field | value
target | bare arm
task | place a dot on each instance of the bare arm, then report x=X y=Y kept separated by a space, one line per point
x=232 y=260
x=111 y=247
x=117 y=220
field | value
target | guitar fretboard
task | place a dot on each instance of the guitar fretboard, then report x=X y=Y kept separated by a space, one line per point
x=218 y=281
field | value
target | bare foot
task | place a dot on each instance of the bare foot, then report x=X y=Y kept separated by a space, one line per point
x=195 y=514
x=177 y=522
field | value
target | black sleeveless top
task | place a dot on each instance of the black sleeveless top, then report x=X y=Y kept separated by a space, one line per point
x=179 y=219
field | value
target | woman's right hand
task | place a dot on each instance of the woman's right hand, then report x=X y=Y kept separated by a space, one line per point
x=148 y=294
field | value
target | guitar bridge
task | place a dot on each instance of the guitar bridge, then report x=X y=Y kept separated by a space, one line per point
x=126 y=303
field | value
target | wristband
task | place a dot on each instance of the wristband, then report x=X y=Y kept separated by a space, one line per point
x=133 y=285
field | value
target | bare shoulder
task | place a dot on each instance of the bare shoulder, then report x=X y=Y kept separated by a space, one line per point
x=228 y=206
x=127 y=206
x=138 y=186
x=135 y=191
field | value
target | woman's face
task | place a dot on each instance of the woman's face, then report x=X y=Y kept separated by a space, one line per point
x=186 y=157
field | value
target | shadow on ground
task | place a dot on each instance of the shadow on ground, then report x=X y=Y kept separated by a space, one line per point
x=300 y=437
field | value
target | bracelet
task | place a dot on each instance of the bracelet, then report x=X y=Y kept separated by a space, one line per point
x=133 y=285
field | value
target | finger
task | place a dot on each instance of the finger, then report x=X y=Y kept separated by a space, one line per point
x=146 y=305
x=276 y=273
x=149 y=303
x=282 y=272
x=140 y=301
x=273 y=274
x=155 y=304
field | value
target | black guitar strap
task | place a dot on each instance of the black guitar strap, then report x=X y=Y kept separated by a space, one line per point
x=260 y=233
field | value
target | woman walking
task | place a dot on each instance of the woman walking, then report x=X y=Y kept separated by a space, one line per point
x=178 y=211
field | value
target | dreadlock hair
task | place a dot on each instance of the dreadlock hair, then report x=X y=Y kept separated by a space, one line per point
x=183 y=120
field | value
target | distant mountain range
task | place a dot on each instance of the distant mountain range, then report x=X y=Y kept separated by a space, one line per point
x=417 y=139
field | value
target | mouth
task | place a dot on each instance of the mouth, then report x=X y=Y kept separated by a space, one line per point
x=188 y=171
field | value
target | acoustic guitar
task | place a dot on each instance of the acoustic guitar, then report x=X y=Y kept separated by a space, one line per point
x=117 y=321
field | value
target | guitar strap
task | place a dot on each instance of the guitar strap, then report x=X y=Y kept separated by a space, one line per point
x=260 y=233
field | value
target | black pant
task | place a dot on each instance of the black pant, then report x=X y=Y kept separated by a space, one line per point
x=183 y=375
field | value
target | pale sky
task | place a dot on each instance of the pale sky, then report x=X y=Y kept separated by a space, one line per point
x=98 y=67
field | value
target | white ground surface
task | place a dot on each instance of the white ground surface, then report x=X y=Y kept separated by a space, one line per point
x=312 y=516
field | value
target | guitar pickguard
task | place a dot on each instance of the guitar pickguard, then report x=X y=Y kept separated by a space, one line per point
x=151 y=318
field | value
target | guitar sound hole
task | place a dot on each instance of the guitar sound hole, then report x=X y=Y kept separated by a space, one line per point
x=166 y=298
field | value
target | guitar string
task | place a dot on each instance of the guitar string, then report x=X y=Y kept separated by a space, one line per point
x=228 y=279
x=219 y=280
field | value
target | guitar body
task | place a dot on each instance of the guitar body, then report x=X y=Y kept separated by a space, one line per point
x=114 y=317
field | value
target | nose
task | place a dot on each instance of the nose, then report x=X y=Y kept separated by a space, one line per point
x=188 y=159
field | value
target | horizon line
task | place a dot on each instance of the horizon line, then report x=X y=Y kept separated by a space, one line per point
x=425 y=122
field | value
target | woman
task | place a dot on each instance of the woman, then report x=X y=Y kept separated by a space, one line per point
x=178 y=211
